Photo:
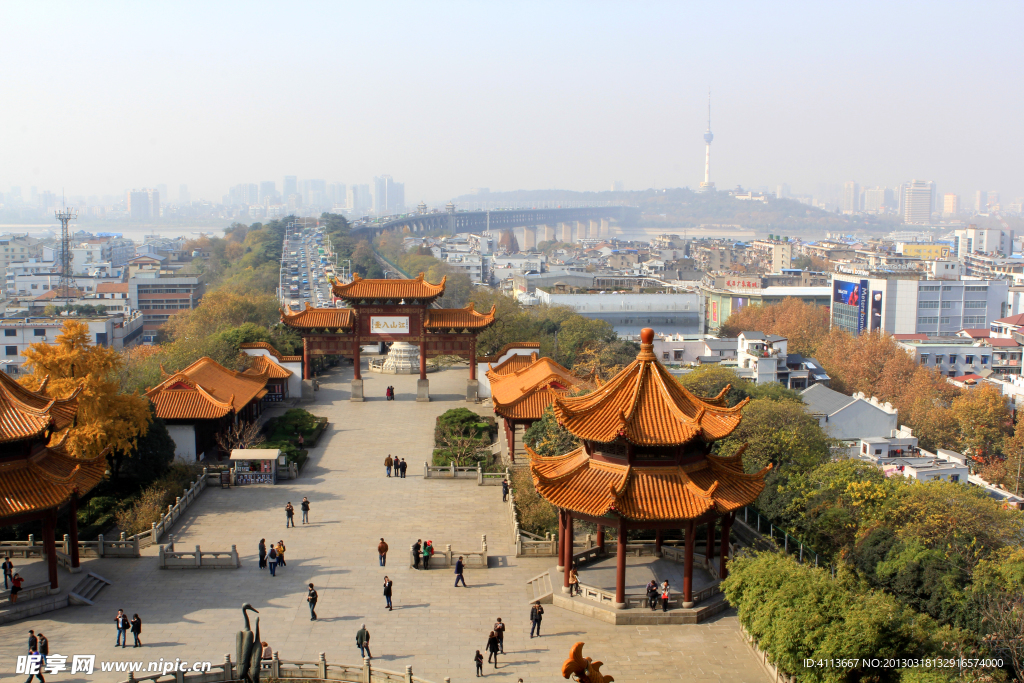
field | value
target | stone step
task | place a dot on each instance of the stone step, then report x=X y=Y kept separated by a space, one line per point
x=539 y=589
x=87 y=589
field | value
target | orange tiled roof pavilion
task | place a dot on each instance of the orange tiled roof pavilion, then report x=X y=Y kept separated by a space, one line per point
x=646 y=462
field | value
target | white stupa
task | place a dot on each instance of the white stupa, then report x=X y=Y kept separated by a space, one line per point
x=403 y=359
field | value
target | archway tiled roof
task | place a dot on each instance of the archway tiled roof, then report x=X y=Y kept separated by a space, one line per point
x=415 y=288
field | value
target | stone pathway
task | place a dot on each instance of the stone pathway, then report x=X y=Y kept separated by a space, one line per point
x=435 y=627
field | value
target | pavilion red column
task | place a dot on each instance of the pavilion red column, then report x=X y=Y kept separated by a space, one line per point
x=561 y=538
x=620 y=566
x=691 y=532
x=657 y=542
x=423 y=359
x=600 y=538
x=510 y=436
x=50 y=546
x=472 y=358
x=568 y=551
x=724 y=554
x=73 y=530
x=356 y=363
x=709 y=546
x=307 y=366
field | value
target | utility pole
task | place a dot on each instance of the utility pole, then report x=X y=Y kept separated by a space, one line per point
x=67 y=276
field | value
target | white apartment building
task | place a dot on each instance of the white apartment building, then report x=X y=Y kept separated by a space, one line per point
x=665 y=312
x=14 y=248
x=777 y=254
x=973 y=240
x=114 y=331
x=473 y=265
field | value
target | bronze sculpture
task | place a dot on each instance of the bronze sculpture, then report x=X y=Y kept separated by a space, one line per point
x=583 y=669
x=248 y=650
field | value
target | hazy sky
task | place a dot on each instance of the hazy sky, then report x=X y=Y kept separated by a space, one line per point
x=99 y=97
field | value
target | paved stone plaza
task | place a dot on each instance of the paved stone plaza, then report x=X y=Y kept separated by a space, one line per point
x=435 y=627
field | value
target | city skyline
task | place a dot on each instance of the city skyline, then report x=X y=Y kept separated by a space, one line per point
x=444 y=123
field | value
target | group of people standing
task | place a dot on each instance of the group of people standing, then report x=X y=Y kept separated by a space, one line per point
x=398 y=464
x=273 y=557
x=654 y=593
x=389 y=393
x=422 y=551
x=123 y=623
x=13 y=577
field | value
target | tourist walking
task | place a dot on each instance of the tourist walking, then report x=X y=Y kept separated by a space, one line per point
x=272 y=561
x=289 y=515
x=664 y=596
x=460 y=566
x=263 y=553
x=387 y=464
x=363 y=642
x=33 y=641
x=499 y=630
x=311 y=597
x=8 y=571
x=492 y=648
x=404 y=467
x=43 y=648
x=382 y=551
x=652 y=594
x=478 y=659
x=122 y=623
x=387 y=592
x=536 y=614
x=417 y=548
x=428 y=550
x=280 y=555
x=136 y=624
x=16 y=587
x=305 y=510
x=35 y=666
x=504 y=490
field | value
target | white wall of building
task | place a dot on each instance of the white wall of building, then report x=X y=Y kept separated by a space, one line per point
x=184 y=441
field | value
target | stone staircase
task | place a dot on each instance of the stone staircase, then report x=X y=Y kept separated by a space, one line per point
x=87 y=589
x=539 y=589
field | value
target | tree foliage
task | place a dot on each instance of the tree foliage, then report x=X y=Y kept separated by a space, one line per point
x=547 y=438
x=804 y=325
x=106 y=417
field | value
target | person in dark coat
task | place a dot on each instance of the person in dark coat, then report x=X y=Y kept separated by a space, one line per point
x=136 y=623
x=417 y=548
x=263 y=553
x=402 y=467
x=478 y=659
x=492 y=648
x=305 y=510
x=289 y=515
x=536 y=614
x=652 y=594
x=311 y=598
x=504 y=490
x=44 y=648
x=460 y=566
x=387 y=592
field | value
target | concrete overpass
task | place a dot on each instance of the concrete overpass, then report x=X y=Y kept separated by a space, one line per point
x=533 y=225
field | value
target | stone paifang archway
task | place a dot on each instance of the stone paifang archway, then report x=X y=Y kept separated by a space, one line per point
x=390 y=311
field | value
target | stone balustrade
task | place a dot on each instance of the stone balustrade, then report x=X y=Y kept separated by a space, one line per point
x=197 y=559
x=153 y=535
x=450 y=471
x=472 y=559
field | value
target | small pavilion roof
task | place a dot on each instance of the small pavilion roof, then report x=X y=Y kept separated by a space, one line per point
x=512 y=364
x=576 y=482
x=458 y=319
x=26 y=414
x=269 y=348
x=415 y=288
x=206 y=390
x=46 y=479
x=311 y=318
x=525 y=393
x=493 y=358
x=647 y=406
x=264 y=365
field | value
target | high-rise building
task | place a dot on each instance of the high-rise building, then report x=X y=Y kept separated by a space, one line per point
x=314 y=192
x=268 y=192
x=993 y=200
x=388 y=196
x=618 y=186
x=782 y=191
x=336 y=194
x=138 y=205
x=981 y=201
x=707 y=185
x=184 y=199
x=950 y=204
x=290 y=186
x=357 y=199
x=153 y=197
x=877 y=199
x=917 y=202
x=851 y=197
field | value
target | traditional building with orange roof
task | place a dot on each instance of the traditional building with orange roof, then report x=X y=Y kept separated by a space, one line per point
x=646 y=463
x=206 y=398
x=38 y=480
x=522 y=387
x=285 y=372
x=386 y=311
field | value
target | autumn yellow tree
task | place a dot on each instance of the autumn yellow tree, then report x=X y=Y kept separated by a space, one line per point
x=804 y=325
x=983 y=420
x=106 y=417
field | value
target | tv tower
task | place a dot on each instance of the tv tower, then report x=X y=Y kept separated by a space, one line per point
x=707 y=185
x=66 y=286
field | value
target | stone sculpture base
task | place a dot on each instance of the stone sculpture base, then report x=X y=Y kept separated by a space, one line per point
x=357 y=390
x=423 y=390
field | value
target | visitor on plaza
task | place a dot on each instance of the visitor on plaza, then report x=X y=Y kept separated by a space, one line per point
x=16 y=587
x=263 y=553
x=272 y=561
x=478 y=659
x=363 y=642
x=460 y=567
x=428 y=550
x=8 y=571
x=305 y=510
x=536 y=614
x=499 y=630
x=652 y=594
x=35 y=666
x=492 y=648
x=33 y=641
x=267 y=653
x=311 y=598
x=387 y=464
x=382 y=551
x=289 y=515
x=664 y=596
x=136 y=624
x=403 y=467
x=417 y=548
x=387 y=593
x=504 y=490
x=122 y=623
x=43 y=648
x=574 y=581
x=280 y=555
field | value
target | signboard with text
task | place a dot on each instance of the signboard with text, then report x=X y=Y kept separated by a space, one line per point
x=389 y=324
